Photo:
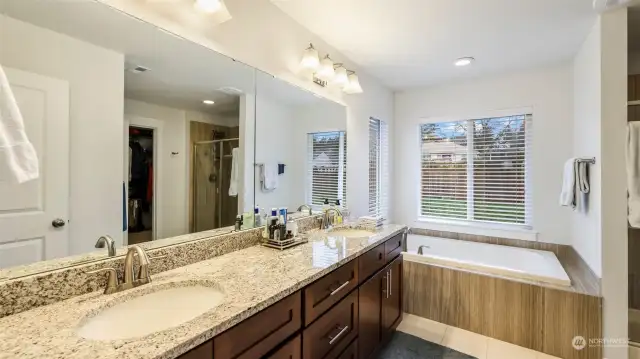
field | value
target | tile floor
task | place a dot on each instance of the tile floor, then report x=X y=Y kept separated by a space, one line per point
x=464 y=341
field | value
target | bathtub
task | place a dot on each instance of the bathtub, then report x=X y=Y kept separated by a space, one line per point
x=510 y=262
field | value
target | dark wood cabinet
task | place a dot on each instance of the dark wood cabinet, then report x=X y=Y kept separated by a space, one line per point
x=256 y=336
x=328 y=290
x=371 y=262
x=351 y=352
x=380 y=304
x=204 y=351
x=291 y=350
x=392 y=298
x=330 y=335
x=370 y=323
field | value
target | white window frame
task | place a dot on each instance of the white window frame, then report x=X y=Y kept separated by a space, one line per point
x=382 y=171
x=475 y=227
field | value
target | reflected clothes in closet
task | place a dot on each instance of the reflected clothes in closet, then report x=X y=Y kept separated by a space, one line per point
x=140 y=184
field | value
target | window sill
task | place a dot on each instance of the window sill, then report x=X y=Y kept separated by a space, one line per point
x=479 y=229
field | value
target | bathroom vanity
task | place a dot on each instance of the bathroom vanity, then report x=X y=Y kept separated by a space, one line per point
x=347 y=314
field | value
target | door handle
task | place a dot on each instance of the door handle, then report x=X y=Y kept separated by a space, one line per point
x=386 y=277
x=58 y=223
x=390 y=281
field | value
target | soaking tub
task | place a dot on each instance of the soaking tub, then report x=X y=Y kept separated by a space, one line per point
x=510 y=262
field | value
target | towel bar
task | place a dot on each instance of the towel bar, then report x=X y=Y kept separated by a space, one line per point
x=591 y=160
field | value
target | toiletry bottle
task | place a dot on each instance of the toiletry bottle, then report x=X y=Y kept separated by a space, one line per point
x=238 y=222
x=337 y=219
x=325 y=205
x=292 y=226
x=256 y=216
x=247 y=220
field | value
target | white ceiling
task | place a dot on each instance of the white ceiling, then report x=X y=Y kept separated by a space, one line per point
x=182 y=73
x=409 y=43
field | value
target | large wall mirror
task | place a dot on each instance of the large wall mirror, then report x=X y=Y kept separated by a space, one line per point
x=300 y=149
x=141 y=135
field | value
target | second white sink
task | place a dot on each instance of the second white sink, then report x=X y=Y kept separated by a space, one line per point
x=151 y=313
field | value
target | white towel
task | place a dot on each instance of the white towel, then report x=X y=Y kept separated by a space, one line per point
x=233 y=182
x=633 y=172
x=269 y=177
x=568 y=194
x=18 y=158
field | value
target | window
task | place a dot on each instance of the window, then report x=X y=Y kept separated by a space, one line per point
x=378 y=168
x=477 y=170
x=327 y=168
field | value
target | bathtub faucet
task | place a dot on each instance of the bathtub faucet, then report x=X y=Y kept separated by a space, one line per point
x=420 y=249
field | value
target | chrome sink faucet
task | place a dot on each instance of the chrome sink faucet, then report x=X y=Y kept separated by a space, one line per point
x=326 y=220
x=109 y=243
x=308 y=207
x=130 y=279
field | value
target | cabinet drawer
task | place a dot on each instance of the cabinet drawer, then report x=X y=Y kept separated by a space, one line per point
x=371 y=262
x=256 y=336
x=328 y=290
x=393 y=247
x=204 y=351
x=333 y=332
x=291 y=350
x=351 y=352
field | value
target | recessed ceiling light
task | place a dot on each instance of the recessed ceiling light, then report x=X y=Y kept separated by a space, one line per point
x=208 y=102
x=208 y=6
x=464 y=61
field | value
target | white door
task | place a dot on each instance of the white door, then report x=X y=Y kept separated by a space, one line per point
x=28 y=210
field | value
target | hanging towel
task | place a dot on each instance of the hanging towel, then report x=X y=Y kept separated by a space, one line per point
x=18 y=158
x=633 y=172
x=233 y=182
x=568 y=194
x=269 y=176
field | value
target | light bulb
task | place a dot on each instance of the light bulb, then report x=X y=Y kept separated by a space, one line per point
x=310 y=60
x=354 y=85
x=464 y=61
x=341 y=77
x=326 y=71
x=208 y=6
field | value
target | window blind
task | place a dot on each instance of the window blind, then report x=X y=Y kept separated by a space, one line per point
x=477 y=170
x=378 y=168
x=327 y=168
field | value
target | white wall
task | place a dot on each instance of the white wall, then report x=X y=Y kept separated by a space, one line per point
x=278 y=51
x=586 y=238
x=274 y=144
x=614 y=194
x=173 y=188
x=548 y=92
x=96 y=80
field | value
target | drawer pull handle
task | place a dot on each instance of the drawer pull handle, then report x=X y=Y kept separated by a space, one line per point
x=379 y=256
x=340 y=288
x=333 y=339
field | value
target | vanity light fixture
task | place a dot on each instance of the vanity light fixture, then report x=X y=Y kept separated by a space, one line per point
x=208 y=102
x=326 y=71
x=341 y=78
x=464 y=61
x=354 y=84
x=208 y=6
x=310 y=59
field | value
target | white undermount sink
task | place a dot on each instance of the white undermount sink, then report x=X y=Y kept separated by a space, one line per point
x=151 y=313
x=351 y=233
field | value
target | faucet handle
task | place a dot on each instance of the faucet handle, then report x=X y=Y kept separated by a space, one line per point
x=112 y=279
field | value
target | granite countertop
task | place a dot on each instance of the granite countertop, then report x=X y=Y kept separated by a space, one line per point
x=252 y=279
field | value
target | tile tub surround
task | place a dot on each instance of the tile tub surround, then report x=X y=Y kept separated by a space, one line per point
x=583 y=280
x=50 y=287
x=251 y=279
x=531 y=316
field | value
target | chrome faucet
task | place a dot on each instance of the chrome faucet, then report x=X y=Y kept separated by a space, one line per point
x=305 y=206
x=107 y=241
x=326 y=220
x=130 y=279
x=420 y=249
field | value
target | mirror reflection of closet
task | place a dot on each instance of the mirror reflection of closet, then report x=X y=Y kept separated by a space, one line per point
x=140 y=195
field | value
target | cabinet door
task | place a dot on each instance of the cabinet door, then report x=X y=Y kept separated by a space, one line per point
x=291 y=350
x=392 y=297
x=369 y=303
x=204 y=351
